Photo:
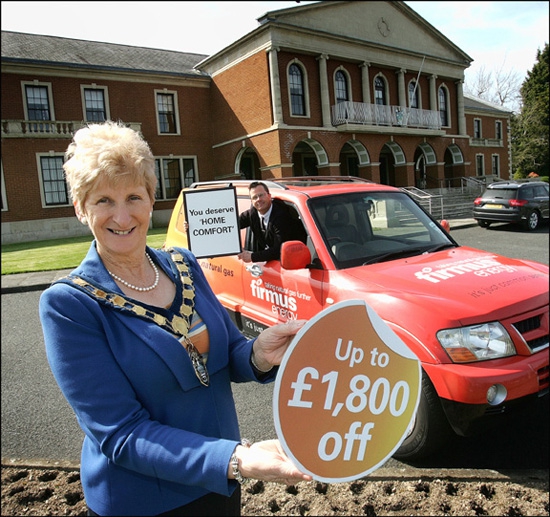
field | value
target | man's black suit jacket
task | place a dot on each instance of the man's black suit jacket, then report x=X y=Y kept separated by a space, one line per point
x=281 y=227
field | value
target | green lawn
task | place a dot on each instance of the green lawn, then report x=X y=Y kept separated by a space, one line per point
x=27 y=257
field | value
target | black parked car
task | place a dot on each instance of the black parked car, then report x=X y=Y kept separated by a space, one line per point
x=513 y=202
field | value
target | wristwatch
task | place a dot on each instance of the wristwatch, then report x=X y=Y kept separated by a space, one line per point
x=235 y=464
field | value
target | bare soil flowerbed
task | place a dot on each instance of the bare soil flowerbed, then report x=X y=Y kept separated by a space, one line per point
x=57 y=491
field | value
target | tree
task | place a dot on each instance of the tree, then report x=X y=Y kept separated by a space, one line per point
x=500 y=87
x=530 y=126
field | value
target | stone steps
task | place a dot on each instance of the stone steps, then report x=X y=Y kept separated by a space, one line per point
x=449 y=203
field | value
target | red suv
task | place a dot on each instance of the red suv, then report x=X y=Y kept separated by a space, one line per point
x=478 y=322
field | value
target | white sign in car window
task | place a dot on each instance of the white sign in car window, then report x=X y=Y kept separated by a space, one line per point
x=213 y=222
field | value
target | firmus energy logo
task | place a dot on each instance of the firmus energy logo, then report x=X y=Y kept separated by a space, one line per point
x=282 y=303
x=480 y=267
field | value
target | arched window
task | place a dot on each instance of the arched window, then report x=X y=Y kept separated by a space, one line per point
x=443 y=106
x=379 y=91
x=413 y=95
x=341 y=87
x=297 y=94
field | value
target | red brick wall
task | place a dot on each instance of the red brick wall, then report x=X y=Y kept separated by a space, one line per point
x=129 y=101
x=241 y=99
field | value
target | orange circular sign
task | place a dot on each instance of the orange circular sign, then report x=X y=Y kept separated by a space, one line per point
x=346 y=393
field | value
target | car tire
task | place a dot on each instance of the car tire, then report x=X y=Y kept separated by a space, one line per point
x=484 y=224
x=430 y=429
x=532 y=220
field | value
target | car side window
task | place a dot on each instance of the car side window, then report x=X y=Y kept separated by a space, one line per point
x=526 y=193
x=247 y=237
x=299 y=232
x=541 y=191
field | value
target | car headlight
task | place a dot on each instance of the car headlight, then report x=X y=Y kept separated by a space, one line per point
x=476 y=343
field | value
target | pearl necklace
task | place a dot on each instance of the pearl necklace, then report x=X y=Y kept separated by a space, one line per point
x=135 y=287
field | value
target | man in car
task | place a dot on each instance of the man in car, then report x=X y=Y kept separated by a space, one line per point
x=271 y=224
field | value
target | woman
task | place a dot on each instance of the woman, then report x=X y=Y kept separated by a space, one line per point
x=145 y=354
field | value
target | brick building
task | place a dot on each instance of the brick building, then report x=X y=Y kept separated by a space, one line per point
x=368 y=89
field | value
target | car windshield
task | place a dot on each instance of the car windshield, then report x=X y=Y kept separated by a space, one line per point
x=365 y=228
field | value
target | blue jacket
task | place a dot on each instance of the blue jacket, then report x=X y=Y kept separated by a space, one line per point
x=155 y=438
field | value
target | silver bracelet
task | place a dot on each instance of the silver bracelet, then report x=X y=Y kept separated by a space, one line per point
x=256 y=366
x=235 y=464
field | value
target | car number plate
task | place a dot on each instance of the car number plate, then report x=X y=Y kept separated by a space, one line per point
x=493 y=206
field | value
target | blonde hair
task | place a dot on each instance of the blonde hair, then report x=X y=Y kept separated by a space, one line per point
x=107 y=150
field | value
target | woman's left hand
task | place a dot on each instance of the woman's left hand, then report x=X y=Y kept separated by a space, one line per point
x=271 y=344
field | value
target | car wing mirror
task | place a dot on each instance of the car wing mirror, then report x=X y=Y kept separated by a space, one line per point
x=295 y=255
x=445 y=224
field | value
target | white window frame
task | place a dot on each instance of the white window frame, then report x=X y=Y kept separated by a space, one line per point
x=297 y=62
x=497 y=124
x=418 y=93
x=174 y=94
x=36 y=82
x=50 y=154
x=448 y=107
x=182 y=173
x=481 y=157
x=348 y=83
x=478 y=121
x=496 y=157
x=386 y=89
x=94 y=86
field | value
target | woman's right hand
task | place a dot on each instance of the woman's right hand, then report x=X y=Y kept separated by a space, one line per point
x=267 y=461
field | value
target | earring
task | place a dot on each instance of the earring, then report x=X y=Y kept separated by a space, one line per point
x=84 y=221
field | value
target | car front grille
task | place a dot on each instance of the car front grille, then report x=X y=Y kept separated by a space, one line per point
x=534 y=330
x=528 y=329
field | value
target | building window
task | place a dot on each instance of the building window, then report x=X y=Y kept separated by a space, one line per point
x=38 y=106
x=477 y=128
x=498 y=130
x=173 y=174
x=495 y=164
x=443 y=106
x=167 y=113
x=95 y=109
x=480 y=170
x=297 y=91
x=413 y=95
x=379 y=91
x=341 y=87
x=54 y=187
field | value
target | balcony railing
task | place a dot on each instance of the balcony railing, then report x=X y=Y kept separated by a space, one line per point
x=382 y=115
x=486 y=142
x=46 y=128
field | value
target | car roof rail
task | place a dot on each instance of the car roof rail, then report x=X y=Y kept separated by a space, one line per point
x=283 y=183
x=230 y=183
x=312 y=180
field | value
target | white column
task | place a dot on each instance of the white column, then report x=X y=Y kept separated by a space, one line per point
x=401 y=88
x=460 y=106
x=276 y=103
x=433 y=93
x=365 y=82
x=325 y=97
